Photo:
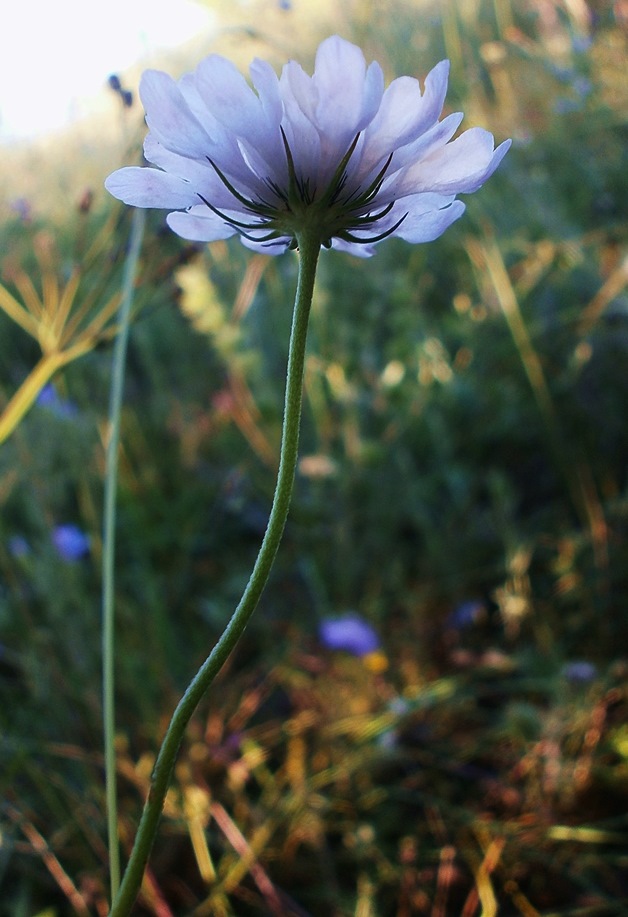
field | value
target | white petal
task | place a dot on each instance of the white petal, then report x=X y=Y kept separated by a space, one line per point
x=338 y=102
x=201 y=175
x=275 y=247
x=301 y=134
x=425 y=227
x=207 y=227
x=169 y=117
x=339 y=75
x=405 y=114
x=360 y=250
x=400 y=179
x=460 y=166
x=150 y=188
x=267 y=85
x=236 y=106
x=432 y=140
x=347 y=98
x=373 y=94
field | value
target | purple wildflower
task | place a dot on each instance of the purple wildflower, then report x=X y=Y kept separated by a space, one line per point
x=18 y=546
x=579 y=672
x=49 y=398
x=336 y=152
x=350 y=633
x=70 y=541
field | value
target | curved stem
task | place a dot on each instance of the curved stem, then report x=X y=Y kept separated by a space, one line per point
x=109 y=543
x=309 y=247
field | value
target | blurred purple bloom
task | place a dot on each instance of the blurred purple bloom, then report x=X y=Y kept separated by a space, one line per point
x=48 y=398
x=125 y=95
x=565 y=106
x=336 y=152
x=350 y=633
x=18 y=546
x=582 y=86
x=581 y=43
x=70 y=541
x=466 y=614
x=579 y=672
x=22 y=207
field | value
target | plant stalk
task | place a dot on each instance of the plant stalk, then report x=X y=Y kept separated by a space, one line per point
x=309 y=248
x=109 y=542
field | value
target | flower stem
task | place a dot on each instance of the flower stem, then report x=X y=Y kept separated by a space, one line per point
x=309 y=247
x=109 y=540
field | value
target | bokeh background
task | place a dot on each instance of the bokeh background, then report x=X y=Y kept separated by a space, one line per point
x=427 y=714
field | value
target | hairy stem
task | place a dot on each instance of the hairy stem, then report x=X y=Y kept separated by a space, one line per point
x=309 y=247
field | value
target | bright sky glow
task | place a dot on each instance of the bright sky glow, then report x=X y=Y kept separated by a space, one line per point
x=56 y=55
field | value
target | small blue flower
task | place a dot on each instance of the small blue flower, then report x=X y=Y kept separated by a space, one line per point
x=582 y=86
x=49 y=399
x=70 y=541
x=22 y=207
x=579 y=672
x=581 y=43
x=350 y=633
x=564 y=106
x=466 y=614
x=18 y=546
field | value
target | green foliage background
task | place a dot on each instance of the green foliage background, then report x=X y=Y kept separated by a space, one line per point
x=464 y=441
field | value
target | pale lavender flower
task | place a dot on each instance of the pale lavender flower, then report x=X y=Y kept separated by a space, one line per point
x=350 y=633
x=70 y=541
x=335 y=152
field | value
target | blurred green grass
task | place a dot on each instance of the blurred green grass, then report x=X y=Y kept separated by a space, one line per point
x=464 y=441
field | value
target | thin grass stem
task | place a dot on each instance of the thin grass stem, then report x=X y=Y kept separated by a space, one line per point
x=109 y=538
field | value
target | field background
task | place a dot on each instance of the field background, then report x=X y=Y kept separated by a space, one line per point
x=463 y=489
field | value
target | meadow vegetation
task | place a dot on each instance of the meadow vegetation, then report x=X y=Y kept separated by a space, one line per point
x=463 y=489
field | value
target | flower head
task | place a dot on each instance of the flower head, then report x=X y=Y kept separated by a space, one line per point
x=350 y=633
x=466 y=614
x=50 y=399
x=579 y=672
x=335 y=153
x=70 y=541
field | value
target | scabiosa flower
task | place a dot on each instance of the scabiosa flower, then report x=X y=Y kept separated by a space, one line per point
x=335 y=153
x=70 y=541
x=350 y=633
